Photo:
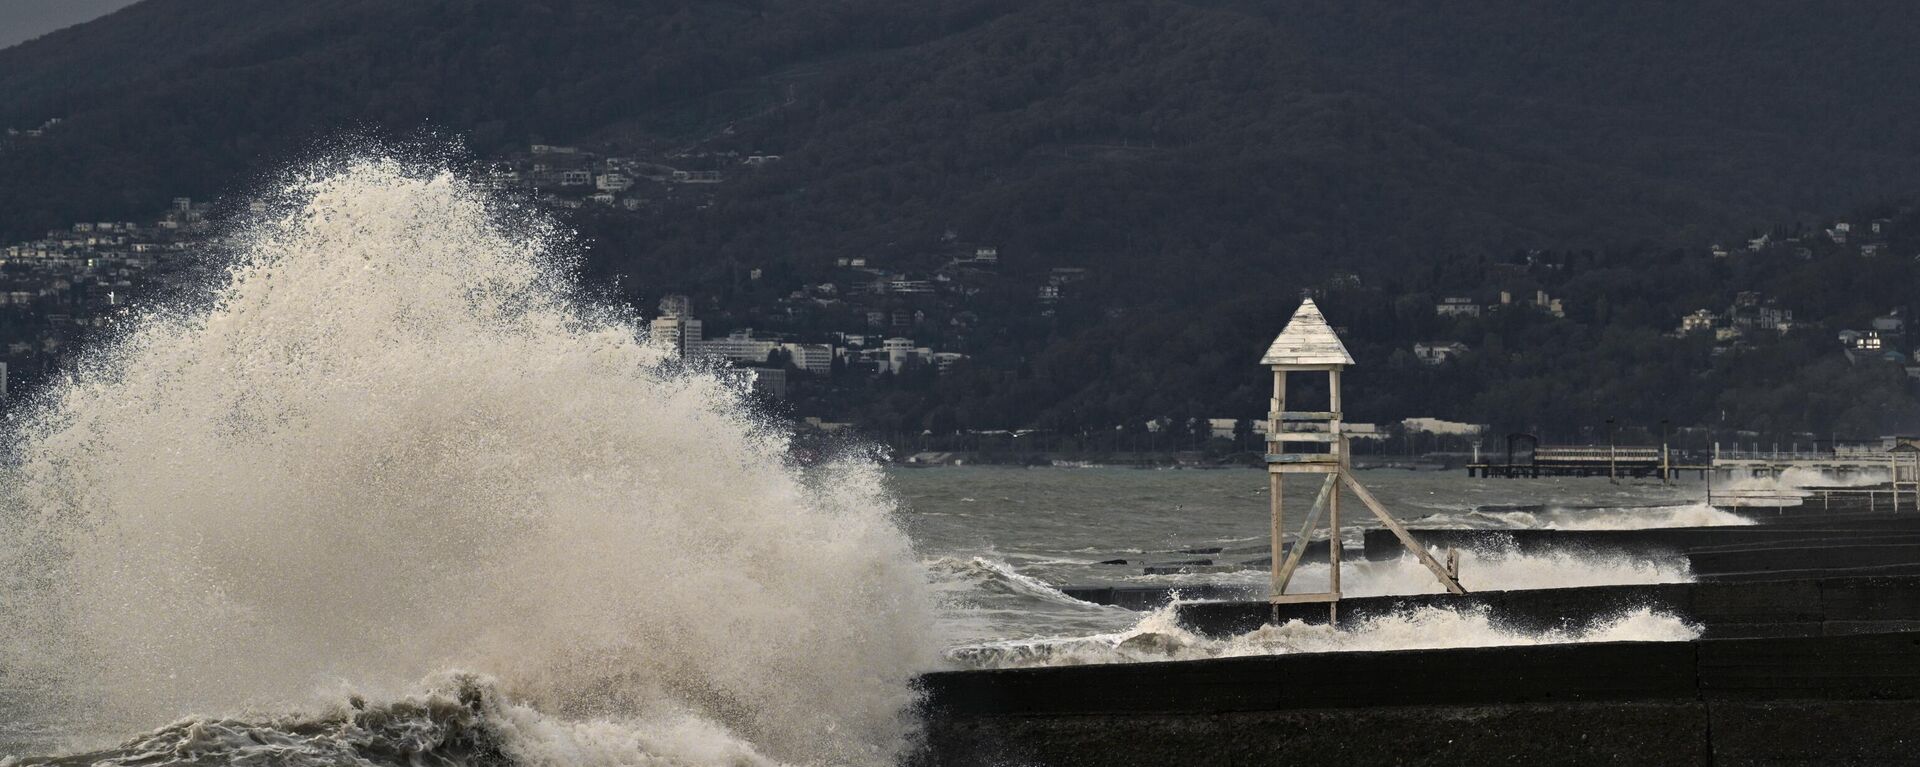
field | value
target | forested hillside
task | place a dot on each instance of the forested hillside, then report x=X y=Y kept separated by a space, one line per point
x=1205 y=160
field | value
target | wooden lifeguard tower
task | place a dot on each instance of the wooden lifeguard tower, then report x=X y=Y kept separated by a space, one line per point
x=1903 y=463
x=1311 y=442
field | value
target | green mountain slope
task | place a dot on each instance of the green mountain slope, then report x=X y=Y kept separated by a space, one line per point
x=1208 y=155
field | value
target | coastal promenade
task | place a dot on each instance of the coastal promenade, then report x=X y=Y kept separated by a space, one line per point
x=1799 y=700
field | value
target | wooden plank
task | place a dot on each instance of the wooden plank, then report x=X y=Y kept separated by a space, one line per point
x=1386 y=518
x=1305 y=436
x=1302 y=458
x=1322 y=467
x=1294 y=599
x=1308 y=415
x=1317 y=368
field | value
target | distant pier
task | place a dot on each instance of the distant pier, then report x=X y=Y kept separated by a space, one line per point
x=1840 y=463
x=1525 y=458
x=1617 y=462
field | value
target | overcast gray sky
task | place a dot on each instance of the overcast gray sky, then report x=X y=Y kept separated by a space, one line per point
x=22 y=20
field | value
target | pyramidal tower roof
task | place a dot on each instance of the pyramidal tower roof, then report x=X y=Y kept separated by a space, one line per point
x=1307 y=340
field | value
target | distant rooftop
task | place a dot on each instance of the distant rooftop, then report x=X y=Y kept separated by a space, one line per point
x=1307 y=340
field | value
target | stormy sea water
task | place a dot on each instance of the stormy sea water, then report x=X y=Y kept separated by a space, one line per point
x=394 y=491
x=1001 y=542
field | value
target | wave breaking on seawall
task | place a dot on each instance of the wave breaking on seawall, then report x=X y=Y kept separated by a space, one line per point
x=1160 y=637
x=394 y=448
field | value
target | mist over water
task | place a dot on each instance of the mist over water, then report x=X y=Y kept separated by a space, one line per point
x=395 y=444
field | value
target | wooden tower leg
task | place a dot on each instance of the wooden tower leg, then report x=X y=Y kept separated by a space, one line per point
x=1332 y=492
x=1273 y=493
x=1333 y=551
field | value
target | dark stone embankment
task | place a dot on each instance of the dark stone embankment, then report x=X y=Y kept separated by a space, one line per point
x=1810 y=654
x=1778 y=608
x=1864 y=547
x=1826 y=700
x=1880 y=546
x=1381 y=544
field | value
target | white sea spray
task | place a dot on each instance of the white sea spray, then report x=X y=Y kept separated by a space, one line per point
x=1158 y=636
x=395 y=443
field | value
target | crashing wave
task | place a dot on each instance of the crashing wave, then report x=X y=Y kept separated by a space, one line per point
x=975 y=577
x=462 y=720
x=1481 y=569
x=1160 y=637
x=395 y=440
x=1602 y=518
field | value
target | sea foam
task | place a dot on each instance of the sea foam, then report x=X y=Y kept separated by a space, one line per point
x=1159 y=637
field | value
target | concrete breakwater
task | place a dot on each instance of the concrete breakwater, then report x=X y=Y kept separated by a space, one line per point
x=1381 y=544
x=1845 y=515
x=1809 y=654
x=1877 y=545
x=1829 y=699
x=1778 y=608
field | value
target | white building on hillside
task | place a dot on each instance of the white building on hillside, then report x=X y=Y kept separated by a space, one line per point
x=1438 y=352
x=613 y=182
x=1457 y=306
x=738 y=346
x=676 y=327
x=813 y=358
x=895 y=354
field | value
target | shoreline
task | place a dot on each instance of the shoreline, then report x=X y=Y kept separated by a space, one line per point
x=1189 y=459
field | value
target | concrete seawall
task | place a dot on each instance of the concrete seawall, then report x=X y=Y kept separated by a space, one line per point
x=1810 y=700
x=1778 y=608
x=1879 y=547
x=1712 y=553
x=1381 y=544
x=1810 y=654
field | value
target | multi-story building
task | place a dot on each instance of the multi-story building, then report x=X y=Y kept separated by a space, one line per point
x=813 y=358
x=738 y=346
x=1457 y=306
x=676 y=327
x=613 y=182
